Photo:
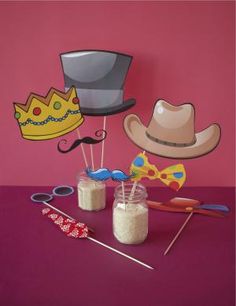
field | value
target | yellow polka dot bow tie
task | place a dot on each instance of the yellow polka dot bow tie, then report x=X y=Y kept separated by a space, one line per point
x=173 y=176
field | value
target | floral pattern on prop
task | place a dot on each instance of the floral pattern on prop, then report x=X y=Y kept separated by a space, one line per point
x=70 y=227
x=172 y=176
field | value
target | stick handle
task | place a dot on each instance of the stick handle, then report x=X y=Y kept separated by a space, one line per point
x=82 y=148
x=58 y=210
x=91 y=154
x=178 y=234
x=134 y=187
x=133 y=190
x=120 y=253
x=103 y=142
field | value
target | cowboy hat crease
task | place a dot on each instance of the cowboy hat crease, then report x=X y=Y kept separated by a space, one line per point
x=171 y=132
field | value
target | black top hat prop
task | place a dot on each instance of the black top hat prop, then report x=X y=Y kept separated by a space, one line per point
x=99 y=78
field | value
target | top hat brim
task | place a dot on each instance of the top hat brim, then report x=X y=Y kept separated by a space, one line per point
x=206 y=140
x=107 y=111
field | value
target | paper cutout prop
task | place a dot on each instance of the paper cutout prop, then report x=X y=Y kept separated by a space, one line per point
x=171 y=132
x=61 y=191
x=173 y=176
x=87 y=140
x=75 y=229
x=104 y=174
x=99 y=78
x=70 y=227
x=190 y=205
x=44 y=198
x=43 y=118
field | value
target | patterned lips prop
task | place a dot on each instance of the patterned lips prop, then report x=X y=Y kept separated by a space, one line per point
x=75 y=229
x=68 y=226
x=185 y=205
x=173 y=176
x=190 y=206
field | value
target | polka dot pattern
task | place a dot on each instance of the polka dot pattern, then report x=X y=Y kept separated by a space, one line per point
x=57 y=105
x=138 y=162
x=178 y=174
x=174 y=185
x=151 y=173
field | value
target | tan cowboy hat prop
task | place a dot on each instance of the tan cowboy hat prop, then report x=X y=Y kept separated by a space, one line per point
x=171 y=132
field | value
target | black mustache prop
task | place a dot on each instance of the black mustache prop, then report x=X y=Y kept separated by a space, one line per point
x=87 y=140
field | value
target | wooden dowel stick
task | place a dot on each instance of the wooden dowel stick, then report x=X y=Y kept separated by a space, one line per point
x=133 y=190
x=103 y=142
x=91 y=154
x=134 y=186
x=120 y=253
x=82 y=148
x=99 y=242
x=123 y=191
x=178 y=234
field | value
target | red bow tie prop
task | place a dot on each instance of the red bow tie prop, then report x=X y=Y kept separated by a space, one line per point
x=70 y=227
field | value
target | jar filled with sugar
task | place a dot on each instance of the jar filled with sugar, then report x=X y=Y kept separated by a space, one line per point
x=91 y=194
x=130 y=213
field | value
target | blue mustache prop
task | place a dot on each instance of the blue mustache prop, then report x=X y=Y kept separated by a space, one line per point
x=104 y=174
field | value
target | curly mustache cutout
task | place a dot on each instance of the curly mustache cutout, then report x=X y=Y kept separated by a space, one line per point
x=102 y=134
x=104 y=174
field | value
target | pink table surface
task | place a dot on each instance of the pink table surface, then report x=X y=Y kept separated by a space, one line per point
x=41 y=266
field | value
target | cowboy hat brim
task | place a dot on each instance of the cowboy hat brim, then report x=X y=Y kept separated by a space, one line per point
x=107 y=111
x=206 y=140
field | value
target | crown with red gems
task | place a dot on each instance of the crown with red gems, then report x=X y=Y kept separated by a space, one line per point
x=43 y=118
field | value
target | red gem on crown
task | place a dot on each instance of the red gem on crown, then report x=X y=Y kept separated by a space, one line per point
x=75 y=100
x=37 y=111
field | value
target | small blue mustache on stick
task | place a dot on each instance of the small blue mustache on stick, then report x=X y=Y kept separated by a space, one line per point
x=104 y=174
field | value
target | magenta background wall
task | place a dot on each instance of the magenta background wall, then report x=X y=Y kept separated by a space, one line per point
x=183 y=52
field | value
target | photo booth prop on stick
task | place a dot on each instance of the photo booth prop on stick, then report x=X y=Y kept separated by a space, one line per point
x=99 y=77
x=68 y=226
x=185 y=205
x=191 y=206
x=75 y=229
x=60 y=191
x=171 y=132
x=52 y=116
x=105 y=174
x=173 y=176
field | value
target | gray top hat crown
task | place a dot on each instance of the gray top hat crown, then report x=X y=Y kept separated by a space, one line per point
x=99 y=78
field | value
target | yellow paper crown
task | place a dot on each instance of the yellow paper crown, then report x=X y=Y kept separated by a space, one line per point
x=49 y=117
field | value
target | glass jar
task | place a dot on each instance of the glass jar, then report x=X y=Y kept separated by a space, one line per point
x=130 y=213
x=91 y=194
